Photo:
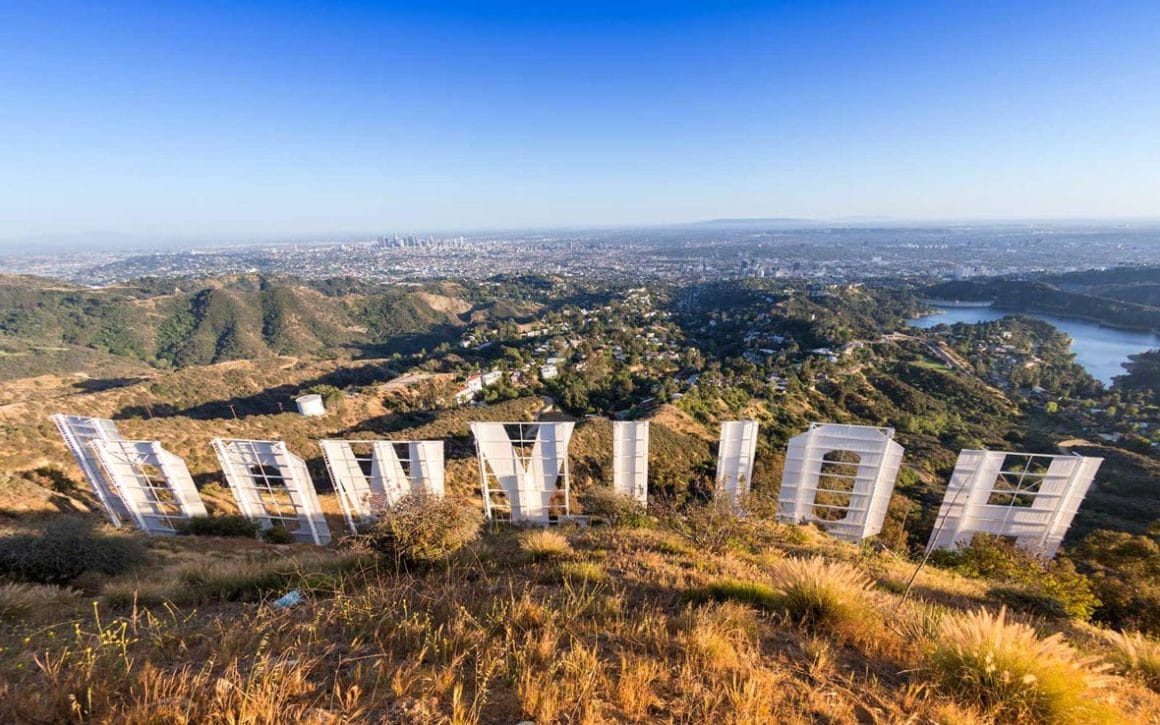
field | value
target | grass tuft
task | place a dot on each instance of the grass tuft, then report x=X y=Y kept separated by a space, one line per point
x=21 y=600
x=718 y=639
x=755 y=594
x=1133 y=653
x=826 y=595
x=1005 y=669
x=583 y=571
x=545 y=544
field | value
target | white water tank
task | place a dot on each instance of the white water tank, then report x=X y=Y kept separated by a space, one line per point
x=311 y=405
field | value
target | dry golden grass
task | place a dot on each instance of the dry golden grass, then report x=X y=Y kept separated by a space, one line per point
x=1133 y=653
x=22 y=600
x=610 y=634
x=830 y=596
x=545 y=544
x=755 y=594
x=583 y=571
x=636 y=679
x=1008 y=671
x=250 y=577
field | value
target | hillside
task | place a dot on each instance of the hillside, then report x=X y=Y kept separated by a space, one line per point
x=47 y=327
x=197 y=408
x=237 y=323
x=686 y=362
x=934 y=410
x=740 y=622
x=686 y=614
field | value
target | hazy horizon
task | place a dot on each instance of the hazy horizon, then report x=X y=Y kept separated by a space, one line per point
x=127 y=241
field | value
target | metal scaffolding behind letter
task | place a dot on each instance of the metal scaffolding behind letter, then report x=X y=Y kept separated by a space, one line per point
x=735 y=455
x=273 y=487
x=154 y=484
x=523 y=470
x=78 y=433
x=840 y=477
x=1029 y=497
x=372 y=475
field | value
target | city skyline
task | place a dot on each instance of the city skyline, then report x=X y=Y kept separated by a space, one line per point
x=258 y=123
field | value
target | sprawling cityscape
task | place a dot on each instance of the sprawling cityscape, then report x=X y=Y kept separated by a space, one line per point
x=728 y=249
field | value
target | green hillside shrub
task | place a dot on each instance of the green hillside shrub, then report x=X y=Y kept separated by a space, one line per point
x=616 y=509
x=423 y=530
x=711 y=526
x=1124 y=570
x=58 y=550
x=1052 y=588
x=219 y=525
x=276 y=535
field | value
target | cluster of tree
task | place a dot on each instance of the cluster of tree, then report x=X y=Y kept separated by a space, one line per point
x=1124 y=571
x=107 y=322
x=1143 y=374
x=1040 y=355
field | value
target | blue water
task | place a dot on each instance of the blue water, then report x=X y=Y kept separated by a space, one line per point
x=1101 y=350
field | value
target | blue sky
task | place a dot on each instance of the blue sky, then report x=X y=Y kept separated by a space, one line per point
x=257 y=120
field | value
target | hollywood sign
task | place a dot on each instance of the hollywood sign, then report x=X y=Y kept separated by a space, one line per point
x=523 y=470
x=273 y=487
x=630 y=459
x=838 y=476
x=841 y=478
x=369 y=476
x=736 y=452
x=1031 y=498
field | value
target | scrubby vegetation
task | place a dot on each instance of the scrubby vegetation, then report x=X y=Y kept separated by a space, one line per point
x=421 y=529
x=1013 y=674
x=604 y=504
x=545 y=544
x=714 y=526
x=1124 y=572
x=561 y=625
x=58 y=550
x=276 y=535
x=1024 y=582
x=199 y=322
x=219 y=525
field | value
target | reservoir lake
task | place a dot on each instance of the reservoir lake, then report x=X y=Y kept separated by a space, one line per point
x=1101 y=350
